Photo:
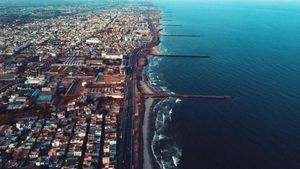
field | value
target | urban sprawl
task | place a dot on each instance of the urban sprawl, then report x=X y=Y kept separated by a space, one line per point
x=63 y=82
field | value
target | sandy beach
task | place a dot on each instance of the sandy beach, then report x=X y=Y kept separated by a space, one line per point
x=147 y=136
x=148 y=127
x=147 y=152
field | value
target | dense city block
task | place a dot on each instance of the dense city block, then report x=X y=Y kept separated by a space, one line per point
x=63 y=82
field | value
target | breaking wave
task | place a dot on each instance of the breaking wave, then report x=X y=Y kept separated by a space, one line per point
x=164 y=148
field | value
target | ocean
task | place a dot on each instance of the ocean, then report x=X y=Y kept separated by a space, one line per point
x=255 y=58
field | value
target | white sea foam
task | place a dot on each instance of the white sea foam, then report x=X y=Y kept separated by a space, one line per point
x=161 y=136
x=165 y=151
x=152 y=148
x=164 y=88
x=178 y=100
x=170 y=114
x=175 y=160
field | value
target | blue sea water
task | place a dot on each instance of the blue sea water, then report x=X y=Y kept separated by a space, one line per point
x=255 y=57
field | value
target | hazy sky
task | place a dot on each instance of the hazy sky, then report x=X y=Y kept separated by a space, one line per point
x=19 y=2
x=230 y=1
x=256 y=1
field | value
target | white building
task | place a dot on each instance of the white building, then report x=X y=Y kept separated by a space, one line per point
x=112 y=56
x=35 y=80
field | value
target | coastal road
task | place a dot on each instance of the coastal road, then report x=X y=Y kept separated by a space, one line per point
x=127 y=122
x=127 y=153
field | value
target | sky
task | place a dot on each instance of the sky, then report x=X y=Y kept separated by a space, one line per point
x=232 y=2
x=28 y=2
x=238 y=1
x=44 y=2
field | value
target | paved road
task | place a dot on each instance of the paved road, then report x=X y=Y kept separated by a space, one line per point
x=126 y=158
x=127 y=122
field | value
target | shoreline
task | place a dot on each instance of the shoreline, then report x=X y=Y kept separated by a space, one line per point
x=148 y=126
x=147 y=117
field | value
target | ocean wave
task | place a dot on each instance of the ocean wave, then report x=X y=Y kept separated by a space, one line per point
x=164 y=148
x=170 y=114
x=166 y=152
x=164 y=88
x=162 y=48
x=161 y=136
x=178 y=100
x=175 y=160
